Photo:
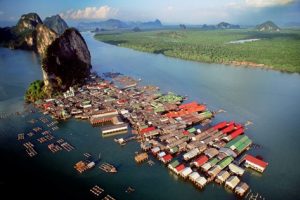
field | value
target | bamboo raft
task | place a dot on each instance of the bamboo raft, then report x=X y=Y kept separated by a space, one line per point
x=21 y=136
x=67 y=146
x=54 y=148
x=96 y=190
x=108 y=197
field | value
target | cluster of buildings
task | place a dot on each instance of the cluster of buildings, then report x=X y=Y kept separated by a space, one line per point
x=179 y=135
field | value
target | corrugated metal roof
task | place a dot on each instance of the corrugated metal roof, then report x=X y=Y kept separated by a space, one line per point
x=186 y=171
x=180 y=167
x=213 y=161
x=167 y=158
x=225 y=162
x=236 y=169
x=220 y=125
x=223 y=175
x=201 y=181
x=256 y=161
x=193 y=176
x=232 y=181
x=174 y=163
x=201 y=160
x=236 y=141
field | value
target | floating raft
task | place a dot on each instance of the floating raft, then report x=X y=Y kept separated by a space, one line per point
x=54 y=148
x=108 y=197
x=67 y=146
x=96 y=190
x=21 y=136
x=141 y=157
x=29 y=149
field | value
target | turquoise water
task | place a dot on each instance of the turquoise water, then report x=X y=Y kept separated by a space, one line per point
x=269 y=99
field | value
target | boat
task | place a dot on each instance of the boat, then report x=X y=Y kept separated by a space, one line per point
x=129 y=189
x=108 y=168
x=82 y=166
x=120 y=141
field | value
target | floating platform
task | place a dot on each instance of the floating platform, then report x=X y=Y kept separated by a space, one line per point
x=82 y=166
x=67 y=146
x=108 y=197
x=54 y=148
x=96 y=190
x=141 y=157
x=21 y=136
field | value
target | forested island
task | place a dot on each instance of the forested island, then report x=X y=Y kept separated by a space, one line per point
x=271 y=49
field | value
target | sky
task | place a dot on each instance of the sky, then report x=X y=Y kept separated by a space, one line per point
x=245 y=12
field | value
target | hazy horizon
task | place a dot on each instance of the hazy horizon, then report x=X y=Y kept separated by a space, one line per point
x=191 y=12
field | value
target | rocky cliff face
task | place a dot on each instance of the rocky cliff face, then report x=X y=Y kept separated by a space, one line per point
x=67 y=61
x=44 y=37
x=268 y=26
x=25 y=35
x=56 y=23
x=28 y=22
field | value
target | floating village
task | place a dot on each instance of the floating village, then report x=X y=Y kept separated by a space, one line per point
x=178 y=133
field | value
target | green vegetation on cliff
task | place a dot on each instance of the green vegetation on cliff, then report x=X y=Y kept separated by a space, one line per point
x=35 y=91
x=276 y=50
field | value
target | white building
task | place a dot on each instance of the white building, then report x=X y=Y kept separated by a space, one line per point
x=69 y=93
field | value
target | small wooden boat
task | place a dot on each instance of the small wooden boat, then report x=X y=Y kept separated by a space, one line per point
x=129 y=189
x=108 y=168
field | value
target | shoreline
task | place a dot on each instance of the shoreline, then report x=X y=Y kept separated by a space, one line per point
x=244 y=64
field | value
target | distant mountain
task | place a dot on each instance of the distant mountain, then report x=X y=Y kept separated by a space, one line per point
x=56 y=23
x=208 y=27
x=182 y=26
x=225 y=25
x=136 y=29
x=28 y=22
x=29 y=33
x=155 y=24
x=112 y=24
x=268 y=26
x=222 y=25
